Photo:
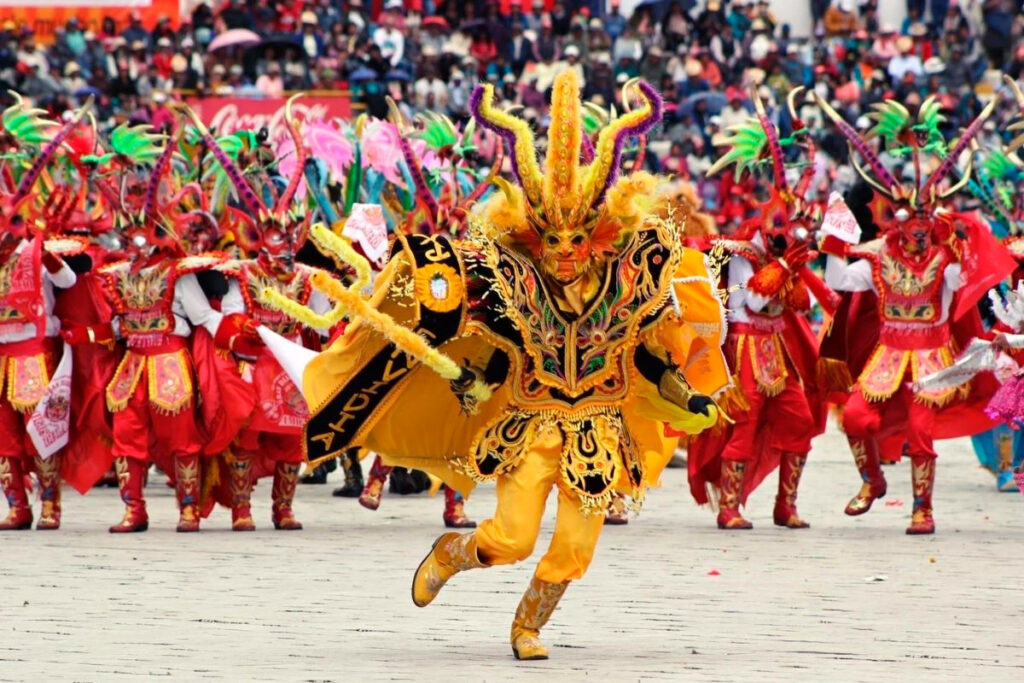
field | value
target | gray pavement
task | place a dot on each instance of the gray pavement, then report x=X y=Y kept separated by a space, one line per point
x=669 y=597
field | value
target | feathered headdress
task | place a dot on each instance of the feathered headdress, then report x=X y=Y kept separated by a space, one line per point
x=755 y=144
x=567 y=194
x=907 y=136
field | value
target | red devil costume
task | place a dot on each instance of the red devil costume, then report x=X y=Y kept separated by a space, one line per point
x=155 y=299
x=770 y=348
x=30 y=347
x=927 y=256
x=270 y=443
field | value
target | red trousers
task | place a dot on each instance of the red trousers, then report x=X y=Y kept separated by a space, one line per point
x=900 y=414
x=787 y=415
x=273 y=445
x=14 y=441
x=138 y=427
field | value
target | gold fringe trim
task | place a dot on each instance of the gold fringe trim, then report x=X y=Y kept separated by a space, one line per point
x=834 y=375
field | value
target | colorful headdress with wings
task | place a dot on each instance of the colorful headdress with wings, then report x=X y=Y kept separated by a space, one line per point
x=755 y=145
x=569 y=194
x=916 y=139
x=260 y=217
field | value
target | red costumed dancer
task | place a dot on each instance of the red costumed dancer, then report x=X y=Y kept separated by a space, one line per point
x=927 y=256
x=271 y=440
x=155 y=299
x=770 y=347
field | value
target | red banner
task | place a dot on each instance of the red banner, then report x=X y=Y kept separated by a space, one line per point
x=226 y=114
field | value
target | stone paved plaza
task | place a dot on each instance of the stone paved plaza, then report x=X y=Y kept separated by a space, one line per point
x=669 y=596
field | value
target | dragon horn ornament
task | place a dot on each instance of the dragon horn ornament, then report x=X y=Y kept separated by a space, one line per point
x=25 y=186
x=930 y=190
x=772 y=139
x=566 y=193
x=886 y=183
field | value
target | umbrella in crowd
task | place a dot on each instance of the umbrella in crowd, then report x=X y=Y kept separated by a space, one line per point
x=363 y=74
x=236 y=37
x=438 y=21
x=714 y=102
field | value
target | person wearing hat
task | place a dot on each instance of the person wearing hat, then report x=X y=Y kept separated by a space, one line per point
x=614 y=22
x=389 y=38
x=312 y=40
x=841 y=18
x=735 y=111
x=271 y=83
x=73 y=80
x=236 y=15
x=652 y=66
x=906 y=61
x=694 y=82
x=519 y=49
x=135 y=32
x=884 y=47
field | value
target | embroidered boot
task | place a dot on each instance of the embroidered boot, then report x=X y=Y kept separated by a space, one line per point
x=922 y=472
x=454 y=511
x=731 y=485
x=791 y=466
x=282 y=494
x=186 y=485
x=538 y=604
x=353 y=476
x=1004 y=477
x=616 y=513
x=49 y=485
x=131 y=477
x=370 y=497
x=450 y=554
x=12 y=480
x=241 y=490
x=873 y=486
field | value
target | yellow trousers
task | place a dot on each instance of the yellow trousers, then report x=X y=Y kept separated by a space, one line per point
x=522 y=494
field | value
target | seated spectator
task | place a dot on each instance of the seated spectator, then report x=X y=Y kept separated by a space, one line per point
x=271 y=84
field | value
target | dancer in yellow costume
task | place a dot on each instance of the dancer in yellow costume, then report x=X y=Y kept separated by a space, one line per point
x=581 y=325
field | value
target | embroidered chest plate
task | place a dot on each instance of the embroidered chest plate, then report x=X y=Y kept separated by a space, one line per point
x=573 y=355
x=144 y=300
x=252 y=281
x=909 y=293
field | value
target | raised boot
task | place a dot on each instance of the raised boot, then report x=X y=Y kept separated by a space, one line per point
x=616 y=513
x=791 y=466
x=454 y=511
x=450 y=554
x=1004 y=477
x=186 y=486
x=922 y=472
x=131 y=477
x=873 y=486
x=49 y=490
x=370 y=497
x=731 y=486
x=286 y=475
x=241 y=490
x=538 y=604
x=353 y=476
x=12 y=480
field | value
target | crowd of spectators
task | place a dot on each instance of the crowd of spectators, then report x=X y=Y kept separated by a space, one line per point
x=704 y=55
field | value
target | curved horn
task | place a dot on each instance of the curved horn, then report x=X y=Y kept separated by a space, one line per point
x=772 y=138
x=791 y=101
x=300 y=156
x=516 y=134
x=420 y=188
x=949 y=162
x=245 y=192
x=603 y=171
x=1015 y=89
x=153 y=186
x=47 y=153
x=886 y=182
